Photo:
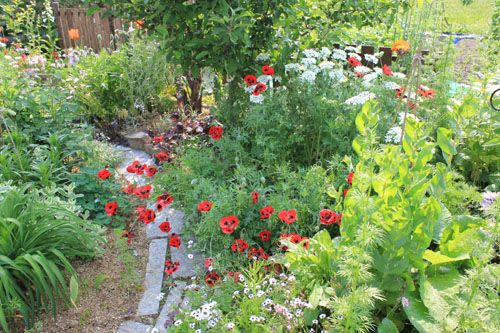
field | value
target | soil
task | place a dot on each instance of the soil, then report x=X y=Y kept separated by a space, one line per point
x=109 y=294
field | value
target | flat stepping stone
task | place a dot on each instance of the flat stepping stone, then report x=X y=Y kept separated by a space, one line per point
x=130 y=155
x=171 y=306
x=176 y=219
x=150 y=303
x=187 y=267
x=133 y=327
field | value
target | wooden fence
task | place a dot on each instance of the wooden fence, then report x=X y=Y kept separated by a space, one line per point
x=94 y=31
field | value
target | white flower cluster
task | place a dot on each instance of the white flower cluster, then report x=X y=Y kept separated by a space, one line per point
x=207 y=312
x=361 y=98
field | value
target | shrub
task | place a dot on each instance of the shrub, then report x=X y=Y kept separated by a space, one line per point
x=37 y=239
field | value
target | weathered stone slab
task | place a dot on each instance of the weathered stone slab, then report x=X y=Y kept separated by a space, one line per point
x=150 y=303
x=130 y=155
x=176 y=219
x=187 y=267
x=133 y=327
x=137 y=140
x=172 y=304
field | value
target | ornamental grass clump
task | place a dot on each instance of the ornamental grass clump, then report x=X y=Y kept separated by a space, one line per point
x=37 y=241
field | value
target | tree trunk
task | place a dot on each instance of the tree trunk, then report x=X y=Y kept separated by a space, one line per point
x=195 y=98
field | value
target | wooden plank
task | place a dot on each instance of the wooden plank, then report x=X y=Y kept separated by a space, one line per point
x=366 y=49
x=386 y=58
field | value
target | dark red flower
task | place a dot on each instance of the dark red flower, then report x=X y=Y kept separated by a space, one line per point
x=250 y=79
x=147 y=216
x=165 y=227
x=353 y=62
x=166 y=197
x=171 y=266
x=162 y=156
x=261 y=86
x=345 y=192
x=111 y=208
x=132 y=168
x=204 y=206
x=215 y=132
x=104 y=174
x=360 y=74
x=262 y=254
x=327 y=217
x=212 y=279
x=239 y=245
x=140 y=169
x=266 y=212
x=143 y=192
x=127 y=234
x=158 y=139
x=228 y=224
x=208 y=262
x=411 y=105
x=305 y=242
x=174 y=241
x=426 y=92
x=350 y=176
x=387 y=70
x=339 y=219
x=267 y=70
x=288 y=216
x=253 y=253
x=150 y=171
x=129 y=189
x=5 y=40
x=265 y=235
x=256 y=92
x=255 y=197
x=400 y=91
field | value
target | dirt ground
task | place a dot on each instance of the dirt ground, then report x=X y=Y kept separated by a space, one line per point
x=110 y=289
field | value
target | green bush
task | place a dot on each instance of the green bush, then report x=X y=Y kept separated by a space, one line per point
x=38 y=238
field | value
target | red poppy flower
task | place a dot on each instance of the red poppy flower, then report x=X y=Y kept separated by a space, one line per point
x=261 y=86
x=359 y=74
x=158 y=139
x=212 y=279
x=253 y=253
x=127 y=234
x=147 y=216
x=305 y=242
x=215 y=132
x=350 y=176
x=4 y=40
x=250 y=80
x=139 y=209
x=239 y=245
x=5 y=51
x=255 y=197
x=288 y=216
x=262 y=254
x=165 y=227
x=266 y=212
x=55 y=55
x=174 y=241
x=327 y=217
x=400 y=91
x=111 y=208
x=140 y=169
x=411 y=105
x=162 y=156
x=129 y=189
x=353 y=62
x=265 y=235
x=160 y=205
x=166 y=197
x=204 y=206
x=171 y=266
x=339 y=219
x=256 y=92
x=295 y=238
x=104 y=174
x=426 y=92
x=132 y=168
x=345 y=192
x=387 y=70
x=267 y=70
x=150 y=171
x=228 y=224
x=235 y=276
x=208 y=262
x=143 y=192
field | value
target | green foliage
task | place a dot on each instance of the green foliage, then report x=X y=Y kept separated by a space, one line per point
x=37 y=240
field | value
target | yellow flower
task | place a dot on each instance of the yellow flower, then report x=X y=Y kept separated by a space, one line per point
x=400 y=46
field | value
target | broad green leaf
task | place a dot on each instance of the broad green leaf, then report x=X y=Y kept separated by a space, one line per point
x=446 y=143
x=418 y=314
x=387 y=326
x=436 y=258
x=73 y=287
x=310 y=315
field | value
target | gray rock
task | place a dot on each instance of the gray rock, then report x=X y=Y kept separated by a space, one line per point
x=187 y=267
x=130 y=155
x=176 y=219
x=137 y=140
x=133 y=327
x=171 y=305
x=150 y=303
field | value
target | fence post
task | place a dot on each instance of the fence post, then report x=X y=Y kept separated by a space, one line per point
x=57 y=16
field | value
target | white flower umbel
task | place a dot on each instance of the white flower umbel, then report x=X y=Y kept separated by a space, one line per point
x=352 y=49
x=325 y=52
x=257 y=99
x=362 y=69
x=393 y=135
x=326 y=65
x=308 y=62
x=399 y=75
x=355 y=55
x=371 y=58
x=263 y=57
x=264 y=78
x=310 y=53
x=337 y=75
x=308 y=76
x=339 y=54
x=360 y=99
x=391 y=85
x=291 y=68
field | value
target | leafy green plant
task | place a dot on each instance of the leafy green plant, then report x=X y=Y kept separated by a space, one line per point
x=37 y=241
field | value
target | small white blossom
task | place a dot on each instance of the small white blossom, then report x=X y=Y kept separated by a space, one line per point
x=190 y=256
x=371 y=58
x=360 y=99
x=339 y=54
x=326 y=65
x=391 y=85
x=393 y=135
x=263 y=57
x=292 y=68
x=325 y=52
x=308 y=61
x=230 y=326
x=322 y=316
x=355 y=55
x=178 y=322
x=310 y=53
x=308 y=76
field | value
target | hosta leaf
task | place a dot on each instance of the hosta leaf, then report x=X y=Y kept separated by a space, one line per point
x=418 y=314
x=387 y=326
x=436 y=258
